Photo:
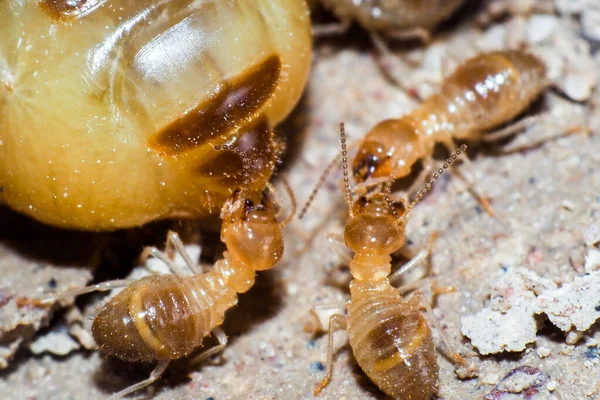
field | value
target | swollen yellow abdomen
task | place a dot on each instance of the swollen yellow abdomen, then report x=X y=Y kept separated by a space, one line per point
x=162 y=317
x=392 y=343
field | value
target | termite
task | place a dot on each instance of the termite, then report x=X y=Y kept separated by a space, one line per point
x=166 y=317
x=389 y=336
x=482 y=93
x=394 y=19
x=110 y=111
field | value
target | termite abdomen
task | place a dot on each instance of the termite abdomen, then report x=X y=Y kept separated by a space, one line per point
x=392 y=343
x=162 y=317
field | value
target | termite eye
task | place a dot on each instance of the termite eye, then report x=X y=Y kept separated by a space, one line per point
x=369 y=158
x=364 y=166
x=248 y=206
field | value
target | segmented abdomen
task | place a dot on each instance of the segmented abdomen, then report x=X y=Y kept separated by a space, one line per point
x=162 y=317
x=393 y=345
x=482 y=93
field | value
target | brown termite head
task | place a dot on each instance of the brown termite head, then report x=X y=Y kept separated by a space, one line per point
x=389 y=148
x=376 y=226
x=128 y=135
x=251 y=231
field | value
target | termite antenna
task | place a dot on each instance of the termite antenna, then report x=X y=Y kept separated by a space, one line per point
x=245 y=162
x=429 y=185
x=320 y=183
x=291 y=196
x=344 y=153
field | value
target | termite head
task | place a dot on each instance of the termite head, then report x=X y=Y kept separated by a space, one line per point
x=389 y=149
x=376 y=228
x=251 y=231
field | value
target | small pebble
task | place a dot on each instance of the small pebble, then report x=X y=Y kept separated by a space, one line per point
x=543 y=352
x=551 y=386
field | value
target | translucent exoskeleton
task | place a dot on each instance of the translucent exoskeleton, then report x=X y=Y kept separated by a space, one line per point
x=166 y=317
x=483 y=93
x=110 y=111
x=389 y=336
x=394 y=18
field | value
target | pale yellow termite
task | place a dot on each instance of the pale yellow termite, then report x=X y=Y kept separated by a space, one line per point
x=390 y=338
x=166 y=317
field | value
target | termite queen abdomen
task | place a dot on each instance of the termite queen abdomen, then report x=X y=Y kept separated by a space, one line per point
x=110 y=111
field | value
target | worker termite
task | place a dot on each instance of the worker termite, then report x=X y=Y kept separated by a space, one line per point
x=483 y=93
x=395 y=19
x=391 y=340
x=110 y=111
x=165 y=317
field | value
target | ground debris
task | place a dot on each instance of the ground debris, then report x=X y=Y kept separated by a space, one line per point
x=56 y=341
x=19 y=318
x=524 y=382
x=509 y=324
x=574 y=305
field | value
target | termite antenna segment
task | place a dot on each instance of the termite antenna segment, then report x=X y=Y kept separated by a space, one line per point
x=319 y=184
x=344 y=154
x=429 y=185
x=245 y=161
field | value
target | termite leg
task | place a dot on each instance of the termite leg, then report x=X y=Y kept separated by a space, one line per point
x=156 y=253
x=336 y=28
x=416 y=259
x=418 y=300
x=420 y=34
x=501 y=134
x=174 y=240
x=396 y=69
x=314 y=326
x=484 y=201
x=221 y=337
x=336 y=321
x=336 y=242
x=510 y=130
x=156 y=373
x=100 y=287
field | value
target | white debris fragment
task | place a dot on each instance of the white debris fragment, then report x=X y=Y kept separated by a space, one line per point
x=592 y=260
x=591 y=236
x=575 y=304
x=588 y=12
x=509 y=324
x=57 y=342
x=543 y=352
x=573 y=337
x=551 y=386
x=541 y=27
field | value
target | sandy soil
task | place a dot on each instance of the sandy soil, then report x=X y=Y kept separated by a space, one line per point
x=546 y=199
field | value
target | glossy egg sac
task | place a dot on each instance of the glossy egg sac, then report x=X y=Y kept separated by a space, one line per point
x=110 y=111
